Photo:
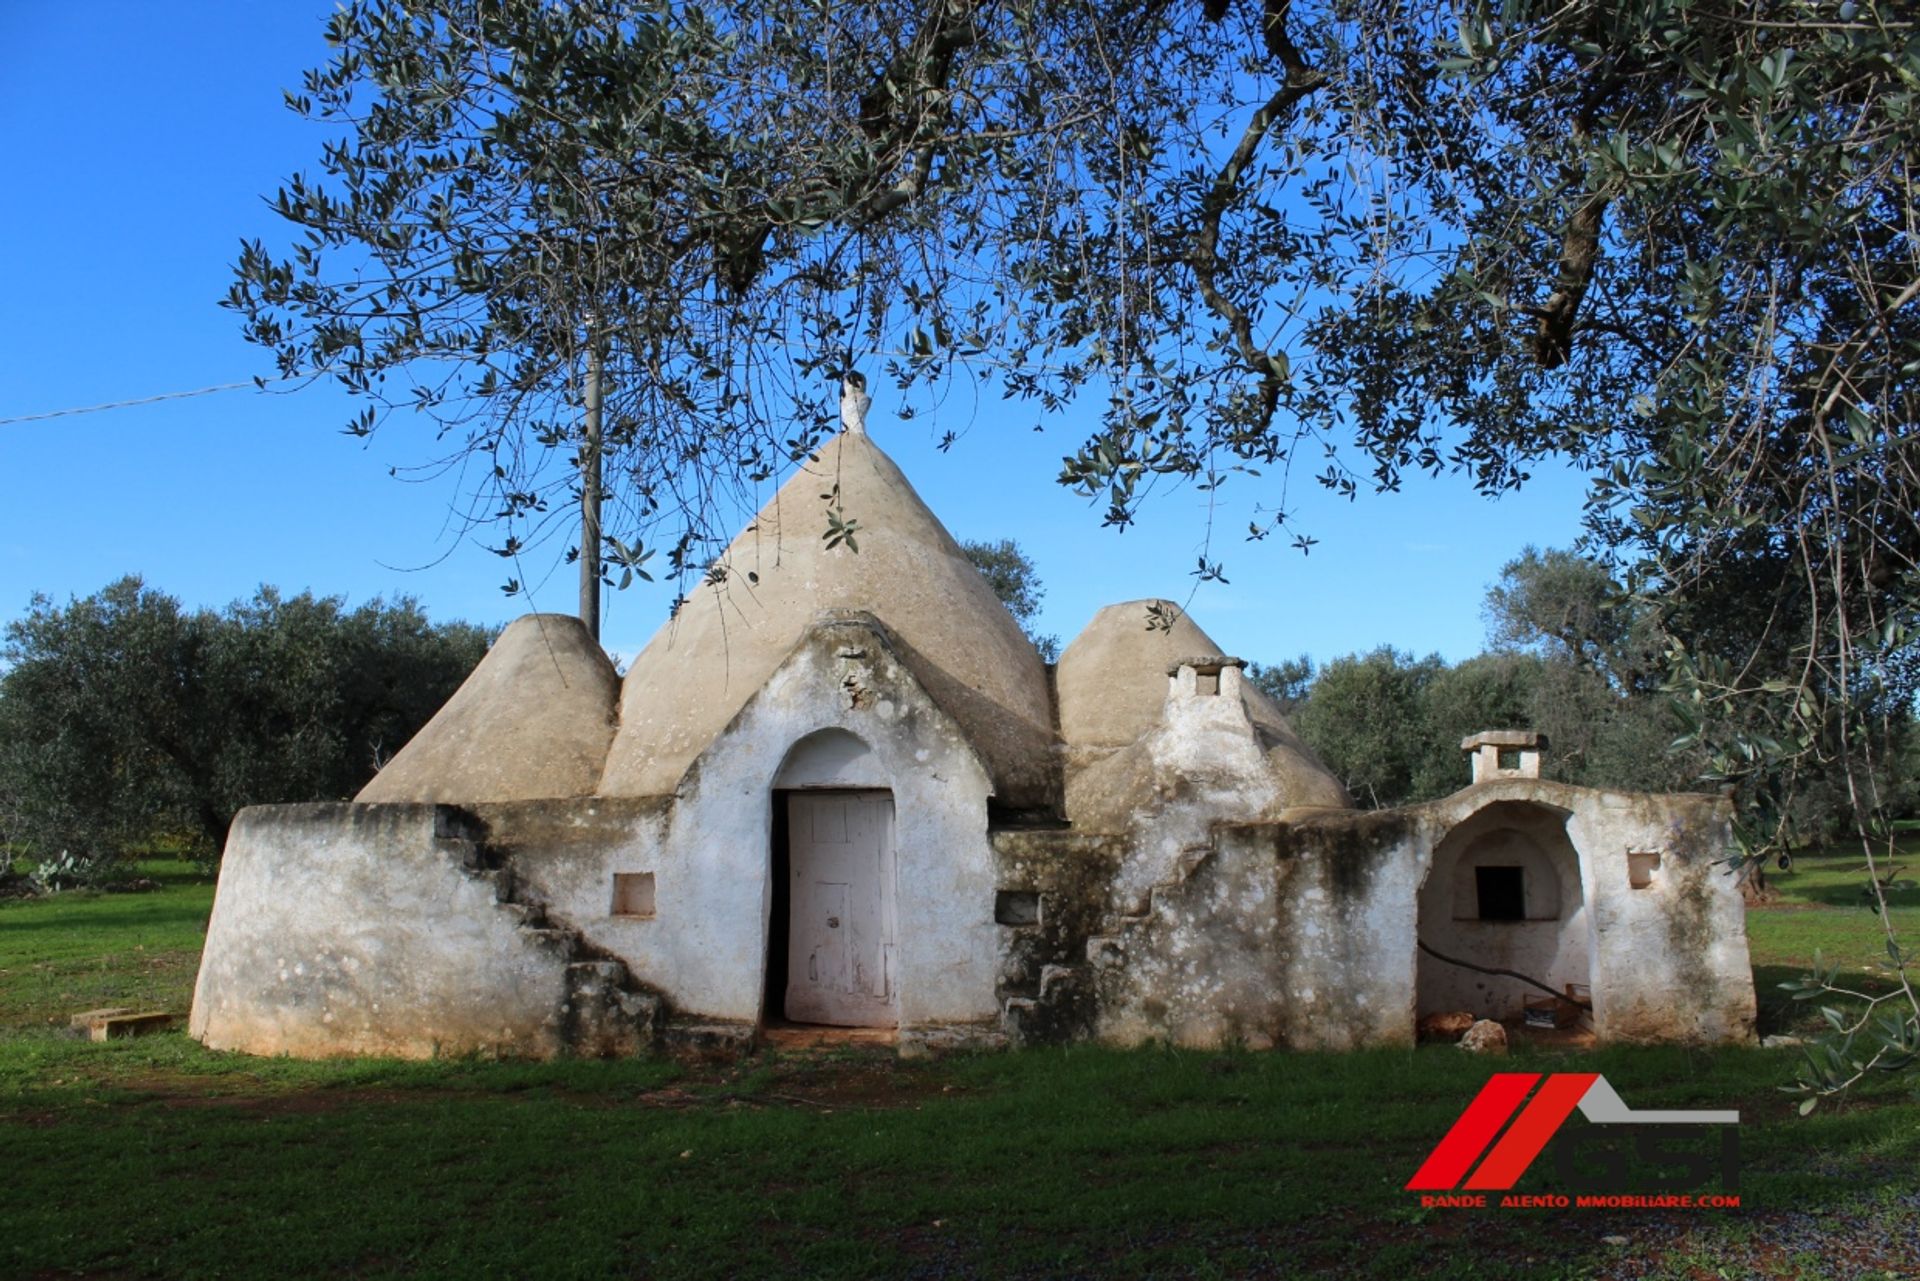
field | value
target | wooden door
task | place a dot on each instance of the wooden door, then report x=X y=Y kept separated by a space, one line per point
x=840 y=953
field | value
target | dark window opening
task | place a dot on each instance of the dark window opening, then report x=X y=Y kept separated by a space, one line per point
x=1502 y=892
x=1509 y=758
x=1016 y=907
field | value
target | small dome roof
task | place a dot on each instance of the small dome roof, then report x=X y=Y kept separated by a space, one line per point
x=1112 y=686
x=533 y=721
x=729 y=636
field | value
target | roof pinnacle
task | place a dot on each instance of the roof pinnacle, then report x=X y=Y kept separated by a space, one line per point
x=854 y=403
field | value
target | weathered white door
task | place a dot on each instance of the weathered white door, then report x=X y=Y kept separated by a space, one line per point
x=840 y=952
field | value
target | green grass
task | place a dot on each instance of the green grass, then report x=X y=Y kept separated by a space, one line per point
x=1820 y=905
x=157 y=1157
x=86 y=950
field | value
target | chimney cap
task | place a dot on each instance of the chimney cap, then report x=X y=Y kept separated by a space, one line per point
x=1504 y=738
x=1205 y=664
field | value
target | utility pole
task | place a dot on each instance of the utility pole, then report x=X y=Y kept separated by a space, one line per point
x=590 y=491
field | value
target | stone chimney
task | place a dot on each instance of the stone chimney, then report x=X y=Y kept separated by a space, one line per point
x=1206 y=676
x=1505 y=753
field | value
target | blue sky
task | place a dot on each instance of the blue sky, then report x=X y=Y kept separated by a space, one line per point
x=136 y=142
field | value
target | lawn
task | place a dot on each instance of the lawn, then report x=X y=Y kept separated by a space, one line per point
x=1821 y=904
x=159 y=1158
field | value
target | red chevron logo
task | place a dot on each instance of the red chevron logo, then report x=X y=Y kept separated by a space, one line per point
x=1501 y=1159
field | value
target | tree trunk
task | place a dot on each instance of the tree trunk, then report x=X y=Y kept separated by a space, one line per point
x=590 y=495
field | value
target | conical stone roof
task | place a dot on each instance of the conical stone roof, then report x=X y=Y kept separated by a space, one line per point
x=531 y=722
x=1112 y=685
x=729 y=636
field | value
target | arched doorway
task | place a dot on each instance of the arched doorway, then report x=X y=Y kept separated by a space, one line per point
x=1503 y=893
x=833 y=928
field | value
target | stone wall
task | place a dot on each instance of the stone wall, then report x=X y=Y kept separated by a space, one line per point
x=1304 y=933
x=365 y=929
x=380 y=928
x=1183 y=908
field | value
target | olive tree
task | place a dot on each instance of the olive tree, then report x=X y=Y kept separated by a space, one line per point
x=1010 y=572
x=1270 y=242
x=125 y=717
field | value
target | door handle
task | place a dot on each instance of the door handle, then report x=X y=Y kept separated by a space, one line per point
x=833 y=922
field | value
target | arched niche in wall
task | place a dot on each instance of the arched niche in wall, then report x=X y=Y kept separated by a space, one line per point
x=1503 y=892
x=830 y=758
x=1506 y=874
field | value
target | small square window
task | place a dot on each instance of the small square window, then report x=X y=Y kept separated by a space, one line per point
x=1509 y=758
x=1502 y=892
x=1641 y=865
x=1016 y=907
x=633 y=894
x=1206 y=683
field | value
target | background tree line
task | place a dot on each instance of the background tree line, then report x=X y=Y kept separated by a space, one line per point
x=1670 y=242
x=126 y=718
x=1571 y=654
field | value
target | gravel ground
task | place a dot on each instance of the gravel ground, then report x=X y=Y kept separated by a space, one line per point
x=1875 y=1239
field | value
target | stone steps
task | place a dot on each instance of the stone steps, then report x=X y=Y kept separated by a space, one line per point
x=525 y=915
x=1030 y=1020
x=562 y=942
x=500 y=878
x=604 y=1013
x=1065 y=991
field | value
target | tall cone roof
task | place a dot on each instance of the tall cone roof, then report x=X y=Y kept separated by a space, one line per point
x=728 y=637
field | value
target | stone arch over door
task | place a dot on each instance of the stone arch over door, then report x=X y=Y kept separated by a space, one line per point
x=831 y=758
x=1503 y=891
x=833 y=928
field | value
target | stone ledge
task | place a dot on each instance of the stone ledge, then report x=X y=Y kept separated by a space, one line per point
x=1504 y=738
x=1205 y=664
x=111 y=1025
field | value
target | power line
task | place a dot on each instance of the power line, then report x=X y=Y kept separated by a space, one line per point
x=143 y=400
x=956 y=357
